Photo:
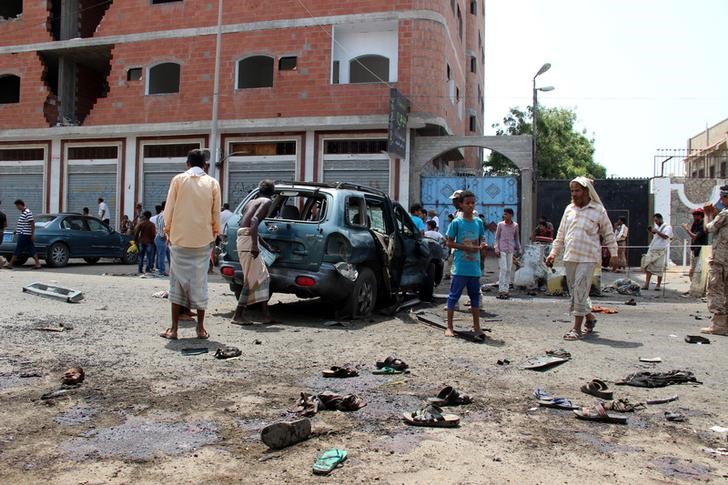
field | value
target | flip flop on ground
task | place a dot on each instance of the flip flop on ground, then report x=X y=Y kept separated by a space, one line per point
x=285 y=433
x=599 y=414
x=598 y=389
x=449 y=396
x=341 y=372
x=431 y=416
x=392 y=362
x=331 y=459
x=388 y=371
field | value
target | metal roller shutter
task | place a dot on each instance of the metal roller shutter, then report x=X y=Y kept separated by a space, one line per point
x=245 y=175
x=86 y=183
x=372 y=173
x=157 y=176
x=21 y=182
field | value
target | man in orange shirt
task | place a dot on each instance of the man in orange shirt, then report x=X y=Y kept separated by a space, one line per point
x=191 y=223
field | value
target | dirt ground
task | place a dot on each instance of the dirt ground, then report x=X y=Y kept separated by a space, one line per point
x=146 y=413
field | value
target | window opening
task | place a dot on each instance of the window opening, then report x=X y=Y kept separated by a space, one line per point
x=335 y=73
x=338 y=147
x=92 y=153
x=164 y=78
x=257 y=149
x=255 y=72
x=169 y=151
x=473 y=64
x=369 y=69
x=9 y=89
x=10 y=9
x=156 y=2
x=474 y=7
x=21 y=154
x=473 y=123
x=355 y=212
x=134 y=74
x=460 y=23
x=96 y=225
x=73 y=224
x=449 y=72
x=288 y=63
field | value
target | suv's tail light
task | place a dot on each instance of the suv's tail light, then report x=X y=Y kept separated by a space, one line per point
x=305 y=281
x=227 y=271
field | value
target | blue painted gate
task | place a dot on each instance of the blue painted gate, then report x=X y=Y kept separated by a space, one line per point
x=492 y=195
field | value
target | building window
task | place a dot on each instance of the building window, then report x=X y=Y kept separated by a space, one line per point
x=473 y=64
x=457 y=94
x=701 y=173
x=339 y=147
x=460 y=23
x=21 y=154
x=9 y=89
x=722 y=170
x=255 y=72
x=164 y=78
x=474 y=7
x=172 y=150
x=289 y=63
x=369 y=69
x=93 y=153
x=10 y=9
x=155 y=2
x=473 y=123
x=134 y=74
x=335 y=72
x=452 y=5
x=260 y=149
x=711 y=171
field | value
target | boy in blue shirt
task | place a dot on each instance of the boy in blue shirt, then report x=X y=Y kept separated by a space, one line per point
x=465 y=235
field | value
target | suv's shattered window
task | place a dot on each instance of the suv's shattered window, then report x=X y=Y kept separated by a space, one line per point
x=293 y=205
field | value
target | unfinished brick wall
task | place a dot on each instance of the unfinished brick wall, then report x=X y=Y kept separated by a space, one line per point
x=32 y=26
x=28 y=113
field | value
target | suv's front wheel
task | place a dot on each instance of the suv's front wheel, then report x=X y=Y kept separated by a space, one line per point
x=363 y=298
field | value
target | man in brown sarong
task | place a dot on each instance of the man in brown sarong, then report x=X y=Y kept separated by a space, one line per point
x=256 y=279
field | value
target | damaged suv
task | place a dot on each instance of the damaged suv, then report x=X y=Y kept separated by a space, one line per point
x=348 y=244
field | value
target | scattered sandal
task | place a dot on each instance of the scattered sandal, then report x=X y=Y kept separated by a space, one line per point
x=228 y=353
x=548 y=401
x=389 y=371
x=393 y=363
x=589 y=326
x=341 y=372
x=328 y=461
x=203 y=336
x=622 y=406
x=431 y=416
x=448 y=396
x=599 y=414
x=598 y=389
x=677 y=417
x=631 y=302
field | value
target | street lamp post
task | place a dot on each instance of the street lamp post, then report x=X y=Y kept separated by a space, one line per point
x=534 y=122
x=214 y=149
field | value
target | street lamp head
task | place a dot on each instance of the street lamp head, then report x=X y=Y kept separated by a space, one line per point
x=546 y=88
x=543 y=69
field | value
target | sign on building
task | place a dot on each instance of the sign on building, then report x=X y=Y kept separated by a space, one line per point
x=398 y=115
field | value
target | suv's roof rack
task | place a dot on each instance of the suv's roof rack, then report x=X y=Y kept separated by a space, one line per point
x=336 y=185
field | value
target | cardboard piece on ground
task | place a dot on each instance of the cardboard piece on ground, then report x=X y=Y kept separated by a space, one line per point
x=435 y=321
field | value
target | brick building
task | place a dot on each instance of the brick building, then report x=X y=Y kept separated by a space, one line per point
x=707 y=153
x=105 y=98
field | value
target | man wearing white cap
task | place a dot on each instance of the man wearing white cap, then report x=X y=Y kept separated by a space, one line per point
x=584 y=228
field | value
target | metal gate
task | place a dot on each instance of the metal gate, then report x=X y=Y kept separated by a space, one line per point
x=21 y=180
x=246 y=172
x=158 y=173
x=492 y=195
x=369 y=171
x=90 y=180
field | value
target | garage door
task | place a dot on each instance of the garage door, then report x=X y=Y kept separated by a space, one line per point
x=87 y=181
x=371 y=172
x=21 y=180
x=158 y=173
x=246 y=172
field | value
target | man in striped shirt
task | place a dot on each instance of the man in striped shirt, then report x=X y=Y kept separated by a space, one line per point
x=25 y=230
x=585 y=227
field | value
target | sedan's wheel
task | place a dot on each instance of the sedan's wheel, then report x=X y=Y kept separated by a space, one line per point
x=91 y=260
x=363 y=298
x=57 y=255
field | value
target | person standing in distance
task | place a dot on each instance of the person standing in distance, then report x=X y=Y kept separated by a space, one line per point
x=104 y=211
x=25 y=230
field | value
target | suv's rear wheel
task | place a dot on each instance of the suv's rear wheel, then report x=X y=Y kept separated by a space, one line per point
x=363 y=298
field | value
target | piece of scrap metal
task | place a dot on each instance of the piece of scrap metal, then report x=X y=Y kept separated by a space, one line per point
x=51 y=291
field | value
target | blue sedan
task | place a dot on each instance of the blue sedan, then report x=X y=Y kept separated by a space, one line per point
x=59 y=237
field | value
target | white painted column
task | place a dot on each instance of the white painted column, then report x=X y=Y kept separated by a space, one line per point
x=129 y=177
x=308 y=174
x=55 y=176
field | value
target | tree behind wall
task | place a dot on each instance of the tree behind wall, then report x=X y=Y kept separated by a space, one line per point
x=563 y=153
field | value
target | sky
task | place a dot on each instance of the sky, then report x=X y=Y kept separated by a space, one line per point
x=641 y=75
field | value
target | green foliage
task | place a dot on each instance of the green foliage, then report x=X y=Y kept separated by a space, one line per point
x=563 y=153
